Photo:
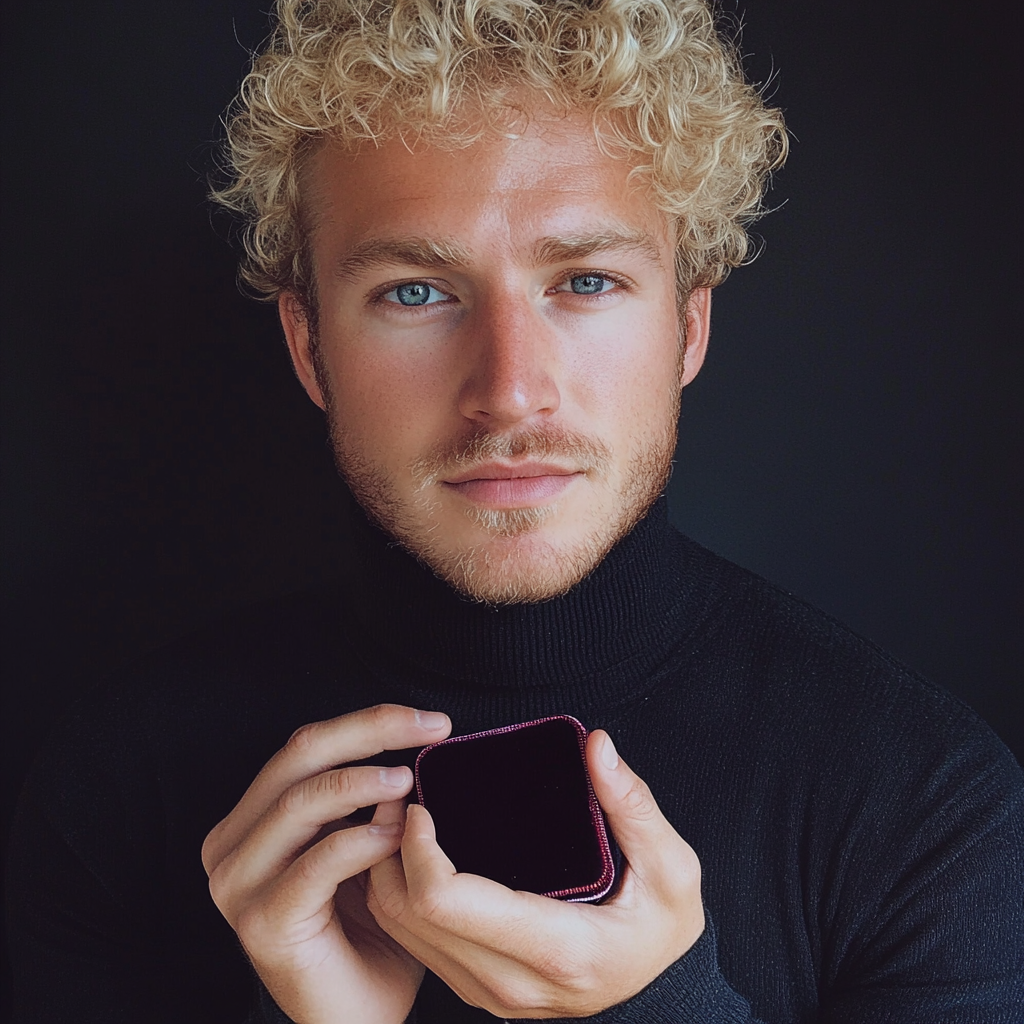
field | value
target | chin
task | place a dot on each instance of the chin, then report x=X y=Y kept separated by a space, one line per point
x=519 y=556
x=519 y=570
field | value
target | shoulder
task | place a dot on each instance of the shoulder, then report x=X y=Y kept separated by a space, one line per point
x=807 y=686
x=754 y=630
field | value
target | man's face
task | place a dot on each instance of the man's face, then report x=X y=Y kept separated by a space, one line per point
x=498 y=349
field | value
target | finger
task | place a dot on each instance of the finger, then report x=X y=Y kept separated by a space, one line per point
x=422 y=865
x=298 y=815
x=317 y=747
x=427 y=867
x=490 y=944
x=389 y=811
x=461 y=910
x=421 y=873
x=302 y=897
x=386 y=880
x=506 y=977
x=658 y=856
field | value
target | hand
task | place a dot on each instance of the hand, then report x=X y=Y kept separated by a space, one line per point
x=288 y=872
x=517 y=954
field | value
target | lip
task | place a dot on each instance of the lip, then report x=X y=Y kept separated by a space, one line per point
x=510 y=471
x=513 y=485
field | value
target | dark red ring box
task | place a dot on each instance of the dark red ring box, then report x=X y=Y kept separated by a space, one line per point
x=516 y=805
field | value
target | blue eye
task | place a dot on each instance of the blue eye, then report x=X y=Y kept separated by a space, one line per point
x=414 y=293
x=587 y=284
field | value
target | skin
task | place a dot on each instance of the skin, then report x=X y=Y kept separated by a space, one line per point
x=504 y=351
x=508 y=431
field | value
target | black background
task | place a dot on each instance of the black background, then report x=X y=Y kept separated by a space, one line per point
x=855 y=435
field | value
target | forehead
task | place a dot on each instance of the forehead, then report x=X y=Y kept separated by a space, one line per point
x=504 y=191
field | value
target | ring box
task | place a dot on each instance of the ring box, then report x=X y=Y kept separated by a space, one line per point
x=516 y=805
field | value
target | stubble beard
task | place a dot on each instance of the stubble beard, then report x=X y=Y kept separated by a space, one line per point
x=510 y=564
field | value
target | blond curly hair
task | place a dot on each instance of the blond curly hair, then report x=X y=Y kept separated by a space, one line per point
x=665 y=90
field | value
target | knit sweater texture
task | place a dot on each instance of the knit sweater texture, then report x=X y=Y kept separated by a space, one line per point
x=860 y=831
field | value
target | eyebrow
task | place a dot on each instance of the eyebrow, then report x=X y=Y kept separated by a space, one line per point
x=415 y=252
x=429 y=252
x=571 y=248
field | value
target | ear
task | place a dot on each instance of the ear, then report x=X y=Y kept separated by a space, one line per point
x=295 y=322
x=698 y=328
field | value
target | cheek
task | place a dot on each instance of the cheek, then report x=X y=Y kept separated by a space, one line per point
x=628 y=377
x=386 y=400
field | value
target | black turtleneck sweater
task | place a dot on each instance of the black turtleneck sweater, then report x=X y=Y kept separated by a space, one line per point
x=861 y=833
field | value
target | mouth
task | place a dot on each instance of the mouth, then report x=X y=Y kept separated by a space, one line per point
x=519 y=485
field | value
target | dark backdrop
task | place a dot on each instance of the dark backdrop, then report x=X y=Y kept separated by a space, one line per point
x=855 y=435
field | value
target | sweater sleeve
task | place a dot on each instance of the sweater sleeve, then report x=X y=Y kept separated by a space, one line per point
x=690 y=991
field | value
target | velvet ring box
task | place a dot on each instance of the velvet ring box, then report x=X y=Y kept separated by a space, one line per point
x=516 y=805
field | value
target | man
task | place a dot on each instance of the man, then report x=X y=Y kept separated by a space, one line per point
x=492 y=230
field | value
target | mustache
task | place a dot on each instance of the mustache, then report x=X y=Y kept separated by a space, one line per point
x=457 y=455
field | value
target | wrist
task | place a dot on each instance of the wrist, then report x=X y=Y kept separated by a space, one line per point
x=691 y=990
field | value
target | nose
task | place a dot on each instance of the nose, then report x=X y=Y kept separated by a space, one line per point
x=511 y=364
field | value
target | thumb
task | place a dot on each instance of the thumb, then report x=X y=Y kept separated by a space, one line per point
x=655 y=851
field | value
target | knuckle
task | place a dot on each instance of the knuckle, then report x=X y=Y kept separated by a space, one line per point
x=223 y=893
x=380 y=714
x=304 y=741
x=211 y=850
x=639 y=801
x=218 y=889
x=385 y=716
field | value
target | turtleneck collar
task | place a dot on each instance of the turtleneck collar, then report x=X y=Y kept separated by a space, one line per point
x=609 y=631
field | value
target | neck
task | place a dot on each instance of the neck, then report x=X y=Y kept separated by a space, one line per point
x=610 y=630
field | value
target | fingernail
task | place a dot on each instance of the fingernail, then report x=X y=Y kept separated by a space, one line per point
x=609 y=755
x=394 y=776
x=432 y=720
x=392 y=828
